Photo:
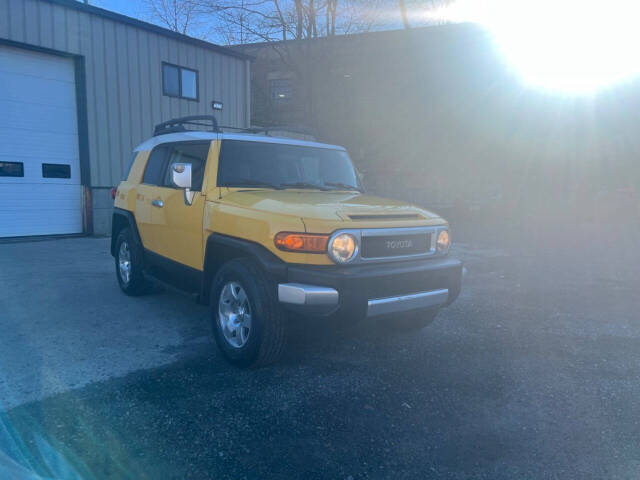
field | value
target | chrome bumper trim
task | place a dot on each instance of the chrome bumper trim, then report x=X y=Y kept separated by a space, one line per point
x=404 y=303
x=301 y=294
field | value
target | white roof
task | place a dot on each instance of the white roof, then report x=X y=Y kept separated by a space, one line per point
x=195 y=135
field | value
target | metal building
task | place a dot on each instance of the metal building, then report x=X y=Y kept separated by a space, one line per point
x=79 y=88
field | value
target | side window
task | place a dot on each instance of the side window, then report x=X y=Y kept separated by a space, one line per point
x=127 y=170
x=193 y=153
x=155 y=166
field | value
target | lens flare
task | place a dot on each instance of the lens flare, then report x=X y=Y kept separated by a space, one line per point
x=569 y=46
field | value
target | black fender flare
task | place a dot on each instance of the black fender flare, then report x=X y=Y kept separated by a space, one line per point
x=222 y=248
x=119 y=219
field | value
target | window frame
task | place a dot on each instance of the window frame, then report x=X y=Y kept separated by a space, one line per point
x=281 y=100
x=225 y=183
x=146 y=166
x=129 y=166
x=169 y=146
x=180 y=68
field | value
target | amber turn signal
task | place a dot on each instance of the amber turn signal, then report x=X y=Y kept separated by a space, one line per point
x=301 y=242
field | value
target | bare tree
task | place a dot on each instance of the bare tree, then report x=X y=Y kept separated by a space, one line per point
x=177 y=15
x=275 y=20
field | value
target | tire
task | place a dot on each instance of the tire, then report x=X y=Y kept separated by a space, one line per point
x=409 y=322
x=134 y=283
x=244 y=299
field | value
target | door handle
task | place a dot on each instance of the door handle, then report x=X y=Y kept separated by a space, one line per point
x=157 y=203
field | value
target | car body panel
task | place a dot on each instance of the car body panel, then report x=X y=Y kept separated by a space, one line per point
x=179 y=232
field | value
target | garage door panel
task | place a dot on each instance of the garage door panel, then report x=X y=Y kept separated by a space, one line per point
x=28 y=89
x=38 y=118
x=18 y=143
x=43 y=209
x=33 y=172
x=47 y=197
x=36 y=64
x=34 y=223
x=38 y=125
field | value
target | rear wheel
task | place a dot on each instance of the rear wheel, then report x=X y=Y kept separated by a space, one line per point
x=248 y=323
x=129 y=264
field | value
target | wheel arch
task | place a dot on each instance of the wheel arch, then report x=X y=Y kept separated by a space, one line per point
x=222 y=248
x=122 y=219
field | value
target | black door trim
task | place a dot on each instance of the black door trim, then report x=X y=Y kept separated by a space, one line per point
x=174 y=273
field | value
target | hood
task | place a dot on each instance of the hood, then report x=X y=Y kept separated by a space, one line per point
x=365 y=211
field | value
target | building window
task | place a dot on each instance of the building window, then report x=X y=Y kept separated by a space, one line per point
x=56 y=170
x=281 y=90
x=11 y=169
x=179 y=82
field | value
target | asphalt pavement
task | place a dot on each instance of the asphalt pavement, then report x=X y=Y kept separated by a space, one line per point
x=533 y=373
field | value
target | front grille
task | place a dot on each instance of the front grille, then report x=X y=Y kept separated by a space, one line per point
x=395 y=245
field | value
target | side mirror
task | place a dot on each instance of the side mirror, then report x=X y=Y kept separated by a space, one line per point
x=181 y=178
x=181 y=175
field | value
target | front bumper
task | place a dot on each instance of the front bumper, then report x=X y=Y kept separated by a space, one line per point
x=371 y=290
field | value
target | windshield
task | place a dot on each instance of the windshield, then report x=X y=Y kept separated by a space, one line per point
x=247 y=163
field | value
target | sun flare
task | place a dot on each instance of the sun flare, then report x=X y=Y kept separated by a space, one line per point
x=570 y=46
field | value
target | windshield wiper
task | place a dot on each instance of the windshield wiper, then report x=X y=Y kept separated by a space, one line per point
x=344 y=186
x=245 y=182
x=304 y=185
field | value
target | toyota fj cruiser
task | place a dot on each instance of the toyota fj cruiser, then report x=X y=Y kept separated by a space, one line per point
x=259 y=226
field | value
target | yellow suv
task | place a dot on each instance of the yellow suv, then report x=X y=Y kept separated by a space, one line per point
x=259 y=227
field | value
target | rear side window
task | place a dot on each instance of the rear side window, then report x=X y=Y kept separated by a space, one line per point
x=188 y=152
x=127 y=170
x=154 y=170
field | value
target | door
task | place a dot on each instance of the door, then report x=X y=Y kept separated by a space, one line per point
x=152 y=180
x=40 y=187
x=177 y=225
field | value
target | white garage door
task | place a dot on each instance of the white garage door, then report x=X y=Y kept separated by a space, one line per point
x=40 y=191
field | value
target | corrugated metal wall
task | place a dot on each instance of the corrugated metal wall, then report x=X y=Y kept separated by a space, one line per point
x=124 y=77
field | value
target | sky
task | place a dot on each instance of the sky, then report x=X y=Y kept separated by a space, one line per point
x=131 y=8
x=138 y=9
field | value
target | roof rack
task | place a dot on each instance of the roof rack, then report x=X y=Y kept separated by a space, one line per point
x=179 y=124
x=267 y=130
x=210 y=122
x=284 y=128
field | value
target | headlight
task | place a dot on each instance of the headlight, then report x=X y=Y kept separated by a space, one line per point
x=343 y=248
x=443 y=242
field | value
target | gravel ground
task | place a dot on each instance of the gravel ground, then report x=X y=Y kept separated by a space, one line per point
x=533 y=373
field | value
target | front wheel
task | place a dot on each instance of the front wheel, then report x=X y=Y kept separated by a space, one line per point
x=248 y=322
